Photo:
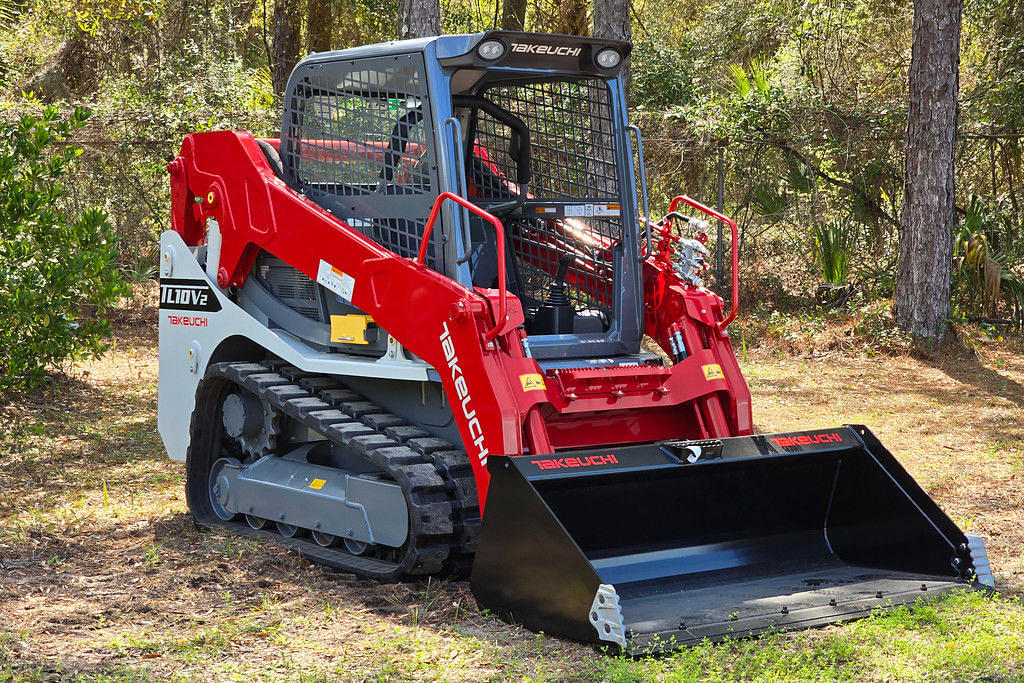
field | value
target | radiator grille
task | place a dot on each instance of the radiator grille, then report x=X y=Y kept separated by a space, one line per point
x=289 y=285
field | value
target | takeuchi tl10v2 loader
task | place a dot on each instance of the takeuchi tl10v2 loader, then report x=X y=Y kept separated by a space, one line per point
x=404 y=339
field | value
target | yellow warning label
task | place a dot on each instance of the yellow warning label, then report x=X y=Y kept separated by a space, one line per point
x=713 y=371
x=317 y=484
x=532 y=382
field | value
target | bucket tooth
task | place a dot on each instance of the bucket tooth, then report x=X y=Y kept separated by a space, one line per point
x=646 y=548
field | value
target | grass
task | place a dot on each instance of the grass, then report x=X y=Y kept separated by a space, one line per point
x=966 y=635
x=104 y=578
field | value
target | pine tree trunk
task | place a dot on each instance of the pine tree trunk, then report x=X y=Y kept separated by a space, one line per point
x=418 y=18
x=571 y=18
x=513 y=15
x=921 y=300
x=319 y=25
x=287 y=28
x=612 y=20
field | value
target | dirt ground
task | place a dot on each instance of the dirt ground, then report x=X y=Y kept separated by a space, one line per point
x=102 y=572
x=955 y=421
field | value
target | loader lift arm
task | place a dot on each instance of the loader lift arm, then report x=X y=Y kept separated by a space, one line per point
x=446 y=324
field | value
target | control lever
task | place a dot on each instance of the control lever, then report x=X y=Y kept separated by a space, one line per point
x=556 y=314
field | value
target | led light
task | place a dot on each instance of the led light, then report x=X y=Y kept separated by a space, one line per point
x=491 y=49
x=608 y=58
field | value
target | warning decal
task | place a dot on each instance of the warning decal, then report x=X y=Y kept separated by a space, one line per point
x=607 y=210
x=335 y=280
x=713 y=371
x=592 y=210
x=532 y=382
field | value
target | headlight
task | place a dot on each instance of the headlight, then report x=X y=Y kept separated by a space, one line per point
x=608 y=58
x=491 y=50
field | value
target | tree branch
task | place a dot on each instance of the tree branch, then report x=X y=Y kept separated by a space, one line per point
x=838 y=182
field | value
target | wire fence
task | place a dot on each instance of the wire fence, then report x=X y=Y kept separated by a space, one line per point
x=751 y=179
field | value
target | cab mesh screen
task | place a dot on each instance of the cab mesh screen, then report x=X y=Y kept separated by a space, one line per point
x=573 y=154
x=357 y=140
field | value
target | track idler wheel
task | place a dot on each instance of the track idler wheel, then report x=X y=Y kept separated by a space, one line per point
x=324 y=540
x=287 y=530
x=254 y=522
x=220 y=488
x=355 y=547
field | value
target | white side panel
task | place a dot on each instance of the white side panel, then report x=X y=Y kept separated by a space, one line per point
x=189 y=335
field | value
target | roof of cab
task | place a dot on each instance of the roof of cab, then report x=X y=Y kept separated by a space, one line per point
x=446 y=46
x=451 y=46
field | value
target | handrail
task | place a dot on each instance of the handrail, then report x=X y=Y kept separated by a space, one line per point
x=735 y=249
x=643 y=184
x=460 y=178
x=421 y=258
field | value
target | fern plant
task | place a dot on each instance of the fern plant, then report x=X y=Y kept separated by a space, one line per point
x=142 y=267
x=770 y=203
x=753 y=78
x=833 y=246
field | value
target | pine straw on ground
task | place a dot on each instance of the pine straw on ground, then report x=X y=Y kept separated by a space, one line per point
x=954 y=420
x=102 y=572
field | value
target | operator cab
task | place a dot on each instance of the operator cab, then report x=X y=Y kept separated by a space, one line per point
x=531 y=127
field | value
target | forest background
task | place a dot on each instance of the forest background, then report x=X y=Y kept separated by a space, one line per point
x=792 y=114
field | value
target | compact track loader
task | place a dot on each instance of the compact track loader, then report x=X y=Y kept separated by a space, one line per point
x=423 y=306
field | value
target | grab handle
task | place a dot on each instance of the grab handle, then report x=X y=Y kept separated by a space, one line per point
x=735 y=249
x=643 y=184
x=499 y=229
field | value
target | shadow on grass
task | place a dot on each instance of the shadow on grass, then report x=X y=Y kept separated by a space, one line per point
x=898 y=393
x=987 y=381
x=157 y=565
x=75 y=439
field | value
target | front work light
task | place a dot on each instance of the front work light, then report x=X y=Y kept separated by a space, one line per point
x=491 y=50
x=608 y=58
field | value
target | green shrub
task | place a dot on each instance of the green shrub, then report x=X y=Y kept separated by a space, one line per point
x=57 y=275
x=661 y=75
x=833 y=246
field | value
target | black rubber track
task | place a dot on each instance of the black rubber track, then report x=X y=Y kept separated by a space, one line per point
x=436 y=478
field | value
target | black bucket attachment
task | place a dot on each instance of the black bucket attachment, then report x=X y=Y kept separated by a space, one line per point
x=651 y=547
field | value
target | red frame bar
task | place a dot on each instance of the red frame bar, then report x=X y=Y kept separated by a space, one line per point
x=735 y=249
x=499 y=229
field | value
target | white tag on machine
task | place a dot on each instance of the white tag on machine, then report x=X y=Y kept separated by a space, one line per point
x=335 y=280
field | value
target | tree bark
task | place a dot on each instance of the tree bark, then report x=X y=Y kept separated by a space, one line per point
x=571 y=18
x=921 y=299
x=612 y=20
x=287 y=29
x=319 y=25
x=419 y=18
x=513 y=15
